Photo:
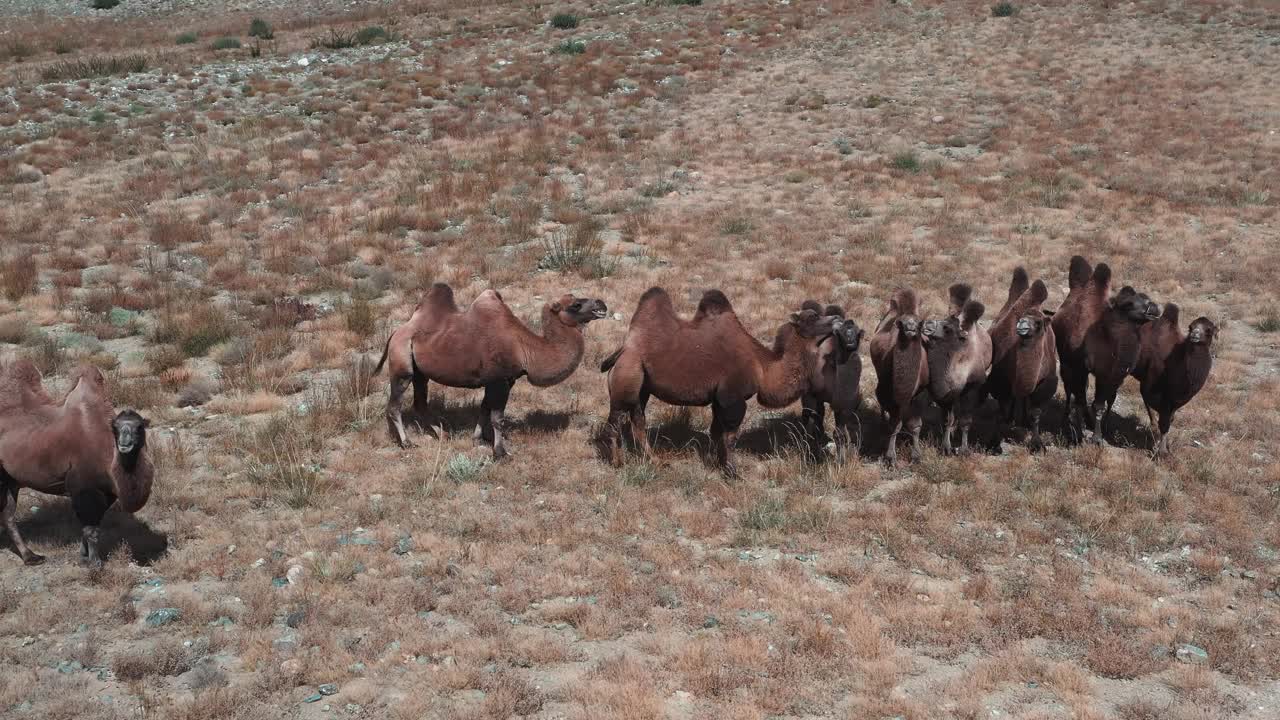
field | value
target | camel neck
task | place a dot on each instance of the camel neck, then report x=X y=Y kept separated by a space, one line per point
x=128 y=462
x=784 y=370
x=551 y=358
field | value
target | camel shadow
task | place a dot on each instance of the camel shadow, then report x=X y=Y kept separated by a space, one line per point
x=56 y=525
x=459 y=419
x=990 y=431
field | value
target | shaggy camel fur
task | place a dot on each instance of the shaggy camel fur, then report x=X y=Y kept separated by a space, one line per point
x=1172 y=368
x=834 y=379
x=902 y=370
x=959 y=355
x=484 y=346
x=1097 y=336
x=78 y=448
x=1024 y=365
x=709 y=360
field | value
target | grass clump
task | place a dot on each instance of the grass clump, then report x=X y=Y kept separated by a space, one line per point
x=19 y=276
x=578 y=249
x=226 y=43
x=261 y=29
x=205 y=327
x=1003 y=9
x=1270 y=321
x=571 y=47
x=96 y=66
x=906 y=161
x=343 y=39
x=564 y=21
x=464 y=468
x=186 y=38
x=736 y=225
x=282 y=456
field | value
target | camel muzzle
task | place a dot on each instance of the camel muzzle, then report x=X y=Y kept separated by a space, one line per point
x=1024 y=328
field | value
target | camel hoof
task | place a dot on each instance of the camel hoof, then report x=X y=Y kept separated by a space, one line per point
x=32 y=559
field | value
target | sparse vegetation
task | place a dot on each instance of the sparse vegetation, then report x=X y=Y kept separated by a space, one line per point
x=577 y=249
x=564 y=21
x=906 y=160
x=1270 y=321
x=571 y=47
x=19 y=276
x=261 y=29
x=187 y=38
x=1003 y=9
x=342 y=39
x=95 y=66
x=226 y=43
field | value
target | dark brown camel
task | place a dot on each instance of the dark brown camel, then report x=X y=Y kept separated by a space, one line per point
x=1024 y=368
x=1098 y=336
x=902 y=370
x=1172 y=368
x=959 y=355
x=834 y=380
x=709 y=360
x=484 y=346
x=78 y=448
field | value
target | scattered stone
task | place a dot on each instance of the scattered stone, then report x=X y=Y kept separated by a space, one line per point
x=163 y=616
x=345 y=540
x=404 y=545
x=1192 y=654
x=295 y=618
x=279 y=582
x=66 y=667
x=294 y=574
x=285 y=645
x=711 y=622
x=328 y=689
x=312 y=698
x=27 y=174
x=1160 y=652
x=1250 y=574
x=937 y=119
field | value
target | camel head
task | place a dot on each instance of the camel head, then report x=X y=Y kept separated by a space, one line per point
x=1032 y=325
x=1134 y=306
x=909 y=326
x=847 y=333
x=130 y=431
x=1202 y=332
x=809 y=323
x=575 y=311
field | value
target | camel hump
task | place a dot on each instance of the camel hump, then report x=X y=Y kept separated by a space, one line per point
x=833 y=310
x=971 y=313
x=959 y=295
x=1170 y=314
x=440 y=297
x=904 y=302
x=1039 y=292
x=1079 y=272
x=1101 y=278
x=713 y=302
x=811 y=305
x=657 y=297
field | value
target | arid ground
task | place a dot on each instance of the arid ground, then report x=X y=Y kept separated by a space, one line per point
x=232 y=233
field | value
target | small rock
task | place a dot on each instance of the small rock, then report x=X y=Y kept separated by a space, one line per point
x=937 y=119
x=279 y=582
x=312 y=698
x=27 y=174
x=404 y=546
x=285 y=645
x=328 y=689
x=448 y=661
x=259 y=563
x=1192 y=654
x=1250 y=574
x=711 y=622
x=163 y=616
x=67 y=667
x=294 y=574
x=295 y=618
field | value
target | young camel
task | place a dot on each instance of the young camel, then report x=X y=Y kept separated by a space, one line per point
x=1172 y=368
x=834 y=379
x=709 y=360
x=959 y=356
x=78 y=448
x=902 y=370
x=484 y=346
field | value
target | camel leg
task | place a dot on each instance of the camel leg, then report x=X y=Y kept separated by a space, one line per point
x=948 y=428
x=90 y=506
x=9 y=511
x=914 y=425
x=1104 y=396
x=639 y=431
x=1166 y=421
x=1154 y=424
x=616 y=417
x=495 y=397
x=482 y=421
x=725 y=422
x=1034 y=412
x=891 y=452
x=420 y=402
x=813 y=415
x=843 y=435
x=395 y=423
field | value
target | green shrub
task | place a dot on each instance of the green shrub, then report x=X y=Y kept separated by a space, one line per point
x=103 y=4
x=571 y=47
x=226 y=43
x=99 y=66
x=463 y=468
x=1270 y=322
x=1003 y=9
x=906 y=161
x=579 y=249
x=187 y=38
x=564 y=21
x=260 y=28
x=343 y=39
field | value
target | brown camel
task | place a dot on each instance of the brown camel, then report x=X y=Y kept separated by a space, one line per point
x=1098 y=336
x=835 y=379
x=959 y=356
x=484 y=346
x=78 y=448
x=709 y=360
x=902 y=370
x=1172 y=368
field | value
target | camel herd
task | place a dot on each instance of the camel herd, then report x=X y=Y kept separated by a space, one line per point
x=82 y=449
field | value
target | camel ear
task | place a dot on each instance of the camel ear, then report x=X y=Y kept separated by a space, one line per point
x=973 y=311
x=555 y=307
x=146 y=423
x=795 y=318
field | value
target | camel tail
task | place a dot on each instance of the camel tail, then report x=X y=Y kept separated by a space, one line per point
x=612 y=360
x=385 y=351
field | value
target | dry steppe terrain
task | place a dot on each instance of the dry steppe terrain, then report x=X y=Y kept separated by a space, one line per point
x=231 y=234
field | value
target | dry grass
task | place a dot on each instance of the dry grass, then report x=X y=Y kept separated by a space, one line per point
x=237 y=235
